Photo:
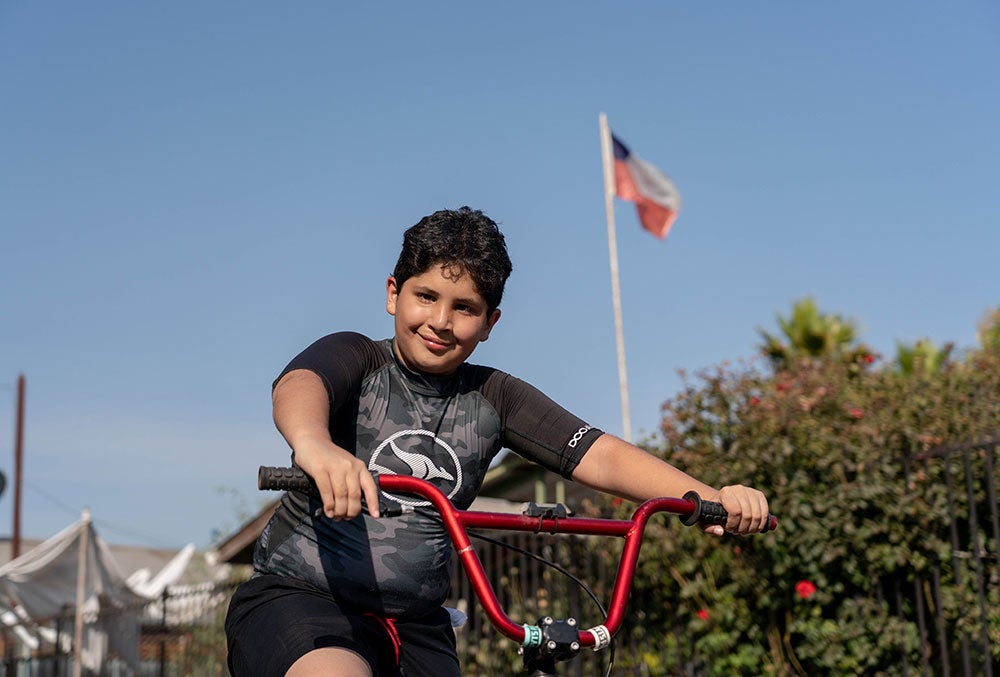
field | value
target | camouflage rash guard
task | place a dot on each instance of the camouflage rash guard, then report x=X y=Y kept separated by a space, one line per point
x=446 y=430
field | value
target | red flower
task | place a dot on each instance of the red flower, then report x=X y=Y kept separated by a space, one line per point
x=754 y=400
x=856 y=413
x=869 y=358
x=805 y=589
x=702 y=614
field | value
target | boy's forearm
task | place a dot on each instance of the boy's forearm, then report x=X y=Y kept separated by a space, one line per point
x=616 y=467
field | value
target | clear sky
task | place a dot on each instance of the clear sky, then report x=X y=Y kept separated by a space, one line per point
x=192 y=192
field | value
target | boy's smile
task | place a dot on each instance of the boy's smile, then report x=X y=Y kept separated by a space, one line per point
x=440 y=318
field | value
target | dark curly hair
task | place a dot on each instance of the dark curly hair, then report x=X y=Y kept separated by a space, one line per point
x=463 y=238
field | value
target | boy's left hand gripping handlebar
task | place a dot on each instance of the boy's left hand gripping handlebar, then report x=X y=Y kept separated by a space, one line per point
x=706 y=513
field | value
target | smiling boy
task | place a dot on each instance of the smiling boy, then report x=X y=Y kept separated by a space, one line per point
x=336 y=591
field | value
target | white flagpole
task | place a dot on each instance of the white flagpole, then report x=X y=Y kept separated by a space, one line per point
x=607 y=161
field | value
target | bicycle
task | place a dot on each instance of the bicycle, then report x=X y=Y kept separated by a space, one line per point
x=550 y=640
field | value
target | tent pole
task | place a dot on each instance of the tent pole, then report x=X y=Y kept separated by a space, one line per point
x=81 y=584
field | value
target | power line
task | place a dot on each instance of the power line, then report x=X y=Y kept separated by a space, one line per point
x=145 y=539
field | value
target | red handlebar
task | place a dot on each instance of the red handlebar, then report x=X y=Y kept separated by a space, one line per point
x=455 y=522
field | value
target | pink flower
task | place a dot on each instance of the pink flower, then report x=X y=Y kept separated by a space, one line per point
x=856 y=413
x=805 y=589
x=702 y=614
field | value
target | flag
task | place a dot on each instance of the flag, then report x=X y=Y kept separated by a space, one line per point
x=655 y=196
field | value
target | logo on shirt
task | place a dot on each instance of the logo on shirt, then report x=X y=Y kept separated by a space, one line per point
x=422 y=454
x=579 y=436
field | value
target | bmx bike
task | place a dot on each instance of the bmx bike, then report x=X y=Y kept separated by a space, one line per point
x=548 y=641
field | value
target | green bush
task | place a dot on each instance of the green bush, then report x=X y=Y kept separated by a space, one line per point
x=852 y=459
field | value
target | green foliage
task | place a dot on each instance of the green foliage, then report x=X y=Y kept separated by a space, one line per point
x=851 y=458
x=809 y=334
x=921 y=356
x=989 y=331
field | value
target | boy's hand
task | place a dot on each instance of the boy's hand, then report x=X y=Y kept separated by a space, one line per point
x=746 y=507
x=341 y=478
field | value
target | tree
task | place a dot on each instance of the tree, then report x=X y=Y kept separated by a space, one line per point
x=808 y=334
x=989 y=331
x=859 y=466
x=923 y=356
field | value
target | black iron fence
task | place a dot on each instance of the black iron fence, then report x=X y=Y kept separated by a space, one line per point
x=955 y=601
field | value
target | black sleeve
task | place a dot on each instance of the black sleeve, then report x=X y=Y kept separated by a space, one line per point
x=342 y=361
x=536 y=427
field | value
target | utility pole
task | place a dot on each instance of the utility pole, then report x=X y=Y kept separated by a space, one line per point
x=15 y=541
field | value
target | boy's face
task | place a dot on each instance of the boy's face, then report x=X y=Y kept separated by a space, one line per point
x=440 y=319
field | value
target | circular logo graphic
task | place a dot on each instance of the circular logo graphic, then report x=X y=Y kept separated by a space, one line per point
x=407 y=453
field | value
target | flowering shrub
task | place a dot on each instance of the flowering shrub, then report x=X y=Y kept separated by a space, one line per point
x=841 y=449
x=805 y=589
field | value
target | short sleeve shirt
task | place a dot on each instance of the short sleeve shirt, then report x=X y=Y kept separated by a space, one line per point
x=445 y=430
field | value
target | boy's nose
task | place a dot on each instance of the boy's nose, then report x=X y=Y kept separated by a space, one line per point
x=440 y=318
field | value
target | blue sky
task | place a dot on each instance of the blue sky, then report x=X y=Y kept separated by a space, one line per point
x=192 y=192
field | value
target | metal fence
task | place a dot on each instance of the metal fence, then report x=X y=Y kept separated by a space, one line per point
x=179 y=634
x=955 y=602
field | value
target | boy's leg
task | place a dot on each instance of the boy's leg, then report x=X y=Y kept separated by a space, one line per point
x=427 y=646
x=330 y=661
x=274 y=622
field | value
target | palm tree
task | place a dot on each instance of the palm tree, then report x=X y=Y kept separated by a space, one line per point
x=811 y=334
x=989 y=330
x=922 y=356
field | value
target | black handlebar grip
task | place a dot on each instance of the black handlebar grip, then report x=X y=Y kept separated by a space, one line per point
x=710 y=512
x=705 y=512
x=282 y=479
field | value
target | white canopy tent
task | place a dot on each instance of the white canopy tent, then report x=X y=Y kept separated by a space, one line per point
x=75 y=571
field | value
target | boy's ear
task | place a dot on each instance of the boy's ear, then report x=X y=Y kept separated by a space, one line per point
x=490 y=323
x=391 y=294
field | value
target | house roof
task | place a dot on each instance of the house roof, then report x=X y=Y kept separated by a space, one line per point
x=238 y=547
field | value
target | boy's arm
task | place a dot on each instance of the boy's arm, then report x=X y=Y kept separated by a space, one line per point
x=302 y=414
x=616 y=467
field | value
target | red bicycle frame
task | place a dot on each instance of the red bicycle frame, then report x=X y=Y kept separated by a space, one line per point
x=456 y=521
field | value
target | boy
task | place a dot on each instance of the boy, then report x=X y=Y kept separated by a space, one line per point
x=339 y=592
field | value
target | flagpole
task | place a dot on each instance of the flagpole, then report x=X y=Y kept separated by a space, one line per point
x=609 y=210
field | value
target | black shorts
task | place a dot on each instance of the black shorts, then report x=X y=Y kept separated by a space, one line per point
x=273 y=621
